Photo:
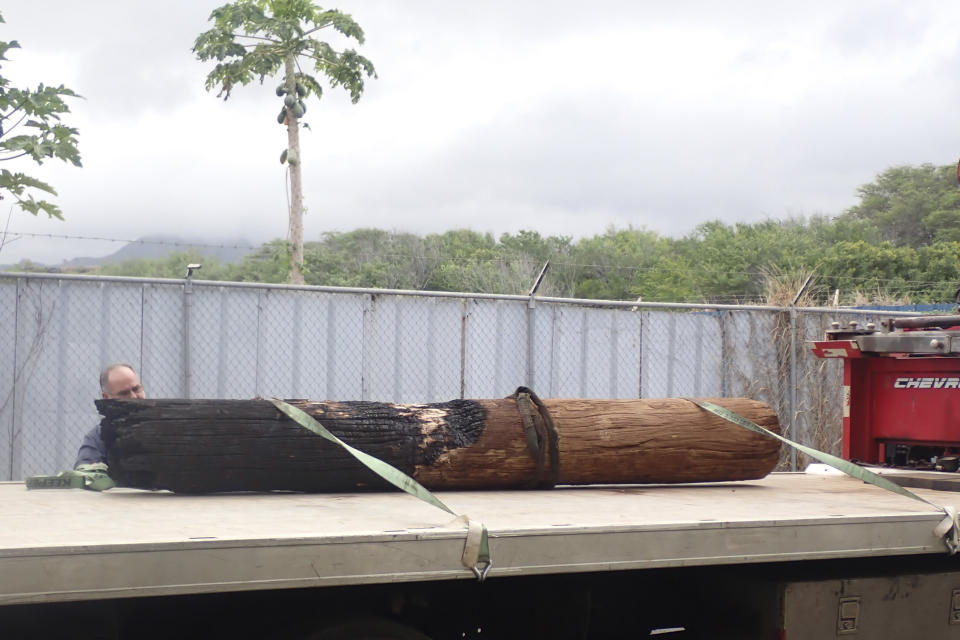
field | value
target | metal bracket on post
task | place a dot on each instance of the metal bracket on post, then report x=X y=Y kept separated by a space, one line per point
x=187 y=303
x=536 y=284
x=531 y=307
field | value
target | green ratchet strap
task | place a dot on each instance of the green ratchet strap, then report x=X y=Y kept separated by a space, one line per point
x=476 y=551
x=86 y=476
x=949 y=527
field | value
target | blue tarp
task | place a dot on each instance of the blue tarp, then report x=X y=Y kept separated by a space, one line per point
x=947 y=308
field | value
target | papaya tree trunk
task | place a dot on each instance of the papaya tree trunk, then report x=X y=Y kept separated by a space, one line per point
x=295 y=249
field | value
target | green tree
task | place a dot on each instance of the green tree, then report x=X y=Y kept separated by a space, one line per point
x=731 y=263
x=269 y=263
x=169 y=266
x=912 y=206
x=527 y=251
x=368 y=258
x=257 y=39
x=619 y=264
x=464 y=260
x=940 y=268
x=30 y=127
x=883 y=269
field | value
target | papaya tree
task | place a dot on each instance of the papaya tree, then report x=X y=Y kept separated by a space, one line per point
x=259 y=39
x=30 y=128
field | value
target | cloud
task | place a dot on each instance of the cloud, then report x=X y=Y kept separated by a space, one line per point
x=563 y=118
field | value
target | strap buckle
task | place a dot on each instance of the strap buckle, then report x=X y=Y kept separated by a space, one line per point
x=482 y=573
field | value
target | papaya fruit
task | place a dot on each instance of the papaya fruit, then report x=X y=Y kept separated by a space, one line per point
x=301 y=90
x=283 y=116
x=281 y=89
x=290 y=100
x=283 y=156
x=299 y=109
x=292 y=157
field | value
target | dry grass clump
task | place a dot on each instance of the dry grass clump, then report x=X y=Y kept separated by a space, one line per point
x=781 y=288
x=878 y=298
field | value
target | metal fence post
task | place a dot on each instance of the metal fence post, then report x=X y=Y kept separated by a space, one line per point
x=531 y=348
x=463 y=347
x=187 y=303
x=11 y=436
x=366 y=338
x=724 y=356
x=641 y=354
x=792 y=396
x=531 y=326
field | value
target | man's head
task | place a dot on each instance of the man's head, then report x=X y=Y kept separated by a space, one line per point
x=120 y=382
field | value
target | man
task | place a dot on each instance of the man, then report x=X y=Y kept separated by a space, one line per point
x=118 y=382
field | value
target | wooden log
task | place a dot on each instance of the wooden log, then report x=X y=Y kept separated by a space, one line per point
x=201 y=446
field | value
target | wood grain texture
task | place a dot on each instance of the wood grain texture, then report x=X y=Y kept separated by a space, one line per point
x=616 y=441
x=203 y=446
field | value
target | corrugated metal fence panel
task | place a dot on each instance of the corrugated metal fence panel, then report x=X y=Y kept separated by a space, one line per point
x=292 y=345
x=682 y=355
x=65 y=330
x=224 y=342
x=594 y=353
x=60 y=327
x=344 y=332
x=36 y=435
x=96 y=324
x=495 y=348
x=350 y=345
x=121 y=320
x=751 y=356
x=161 y=351
x=414 y=349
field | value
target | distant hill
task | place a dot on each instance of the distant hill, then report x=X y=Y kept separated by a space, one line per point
x=152 y=247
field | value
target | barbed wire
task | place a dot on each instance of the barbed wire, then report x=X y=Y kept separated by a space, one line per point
x=906 y=286
x=175 y=243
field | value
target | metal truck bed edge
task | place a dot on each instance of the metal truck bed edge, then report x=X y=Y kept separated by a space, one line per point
x=58 y=545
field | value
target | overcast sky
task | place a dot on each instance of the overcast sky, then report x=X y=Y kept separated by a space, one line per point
x=561 y=117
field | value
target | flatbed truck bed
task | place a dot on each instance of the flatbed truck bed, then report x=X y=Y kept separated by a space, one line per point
x=600 y=561
x=73 y=544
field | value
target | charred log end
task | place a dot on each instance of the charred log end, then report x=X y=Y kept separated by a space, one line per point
x=200 y=446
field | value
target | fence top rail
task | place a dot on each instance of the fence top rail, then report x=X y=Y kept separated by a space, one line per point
x=5 y=275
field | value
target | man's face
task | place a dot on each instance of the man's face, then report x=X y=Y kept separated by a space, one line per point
x=123 y=384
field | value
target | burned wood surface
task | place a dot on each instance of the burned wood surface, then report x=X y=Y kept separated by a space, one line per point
x=202 y=446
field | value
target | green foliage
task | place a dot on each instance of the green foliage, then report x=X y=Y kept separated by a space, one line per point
x=912 y=206
x=717 y=262
x=624 y=265
x=29 y=266
x=256 y=39
x=367 y=258
x=270 y=263
x=731 y=261
x=173 y=265
x=252 y=39
x=884 y=268
x=939 y=267
x=30 y=128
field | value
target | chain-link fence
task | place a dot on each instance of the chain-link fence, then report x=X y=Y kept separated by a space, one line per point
x=237 y=340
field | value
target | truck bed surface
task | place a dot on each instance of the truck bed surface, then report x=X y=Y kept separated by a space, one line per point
x=58 y=545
